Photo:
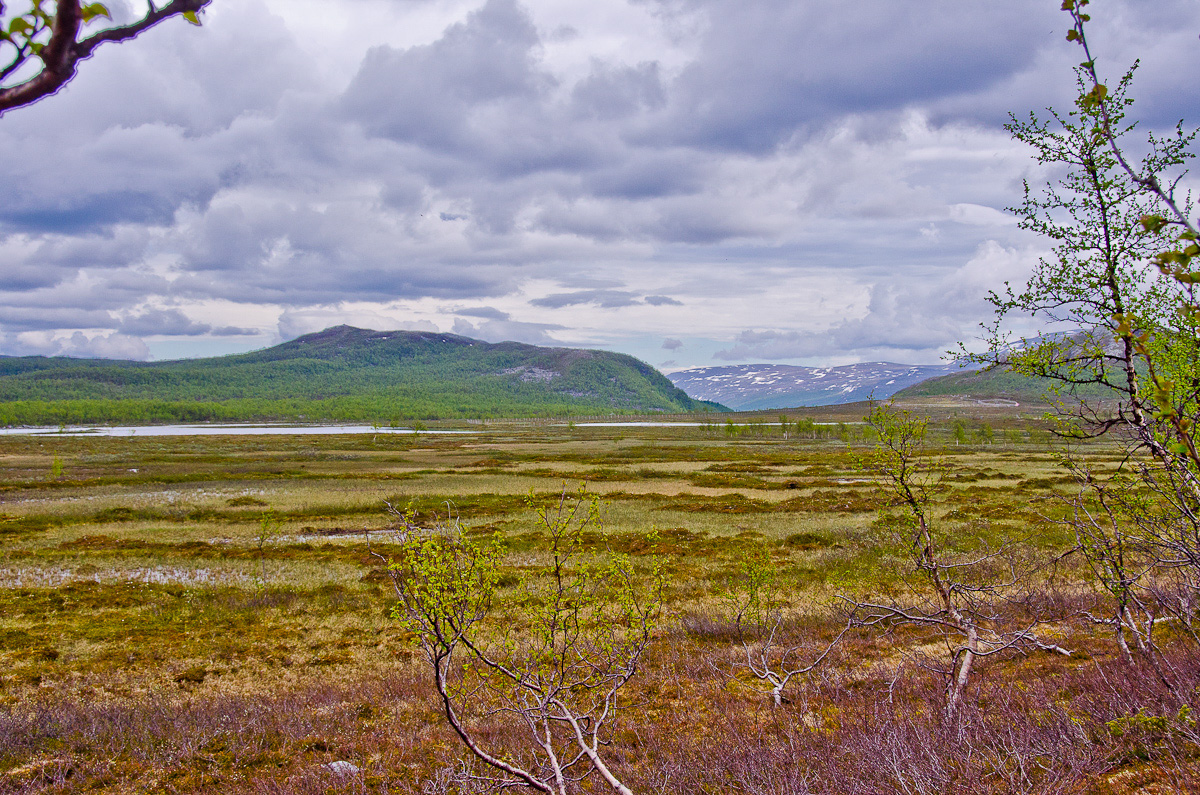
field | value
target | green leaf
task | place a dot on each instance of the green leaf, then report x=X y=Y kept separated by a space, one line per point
x=192 y=17
x=93 y=10
x=19 y=26
x=1153 y=223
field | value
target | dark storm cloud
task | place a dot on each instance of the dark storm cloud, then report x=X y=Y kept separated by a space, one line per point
x=648 y=174
x=485 y=312
x=19 y=318
x=1120 y=34
x=169 y=322
x=770 y=68
x=89 y=213
x=22 y=274
x=143 y=130
x=606 y=299
x=235 y=331
x=278 y=253
x=619 y=92
x=34 y=262
x=451 y=95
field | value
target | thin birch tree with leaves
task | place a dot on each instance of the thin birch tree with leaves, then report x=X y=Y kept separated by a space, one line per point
x=1121 y=282
x=553 y=672
x=975 y=601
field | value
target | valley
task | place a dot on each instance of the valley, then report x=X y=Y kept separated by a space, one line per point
x=181 y=614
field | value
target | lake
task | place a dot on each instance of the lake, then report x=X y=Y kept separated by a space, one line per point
x=234 y=429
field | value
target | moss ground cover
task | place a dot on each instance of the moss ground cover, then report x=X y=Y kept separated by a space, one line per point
x=236 y=585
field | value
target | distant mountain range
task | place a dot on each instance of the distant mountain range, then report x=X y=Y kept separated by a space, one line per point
x=752 y=387
x=341 y=373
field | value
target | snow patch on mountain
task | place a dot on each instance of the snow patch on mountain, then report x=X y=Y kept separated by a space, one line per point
x=749 y=387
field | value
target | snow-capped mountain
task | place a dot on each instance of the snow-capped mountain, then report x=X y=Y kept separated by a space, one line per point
x=750 y=387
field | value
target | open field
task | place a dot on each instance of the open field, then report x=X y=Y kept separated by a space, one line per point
x=192 y=613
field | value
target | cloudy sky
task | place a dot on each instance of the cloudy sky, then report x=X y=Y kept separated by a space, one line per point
x=695 y=182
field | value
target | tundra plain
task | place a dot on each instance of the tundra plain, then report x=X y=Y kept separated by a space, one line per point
x=191 y=614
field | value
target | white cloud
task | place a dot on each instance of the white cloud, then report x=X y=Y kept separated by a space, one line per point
x=784 y=179
x=78 y=344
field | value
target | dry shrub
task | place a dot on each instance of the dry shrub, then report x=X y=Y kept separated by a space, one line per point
x=1094 y=726
x=1061 y=734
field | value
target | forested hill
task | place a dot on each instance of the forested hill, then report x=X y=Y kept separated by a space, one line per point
x=341 y=373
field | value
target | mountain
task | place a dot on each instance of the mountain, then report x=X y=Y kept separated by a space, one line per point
x=999 y=383
x=341 y=373
x=751 y=387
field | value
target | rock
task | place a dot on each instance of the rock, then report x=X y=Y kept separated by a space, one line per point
x=342 y=768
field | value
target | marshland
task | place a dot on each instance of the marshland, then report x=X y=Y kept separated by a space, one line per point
x=191 y=613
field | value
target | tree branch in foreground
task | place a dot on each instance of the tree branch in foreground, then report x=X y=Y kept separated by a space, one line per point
x=53 y=39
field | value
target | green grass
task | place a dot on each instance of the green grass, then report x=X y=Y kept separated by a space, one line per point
x=187 y=512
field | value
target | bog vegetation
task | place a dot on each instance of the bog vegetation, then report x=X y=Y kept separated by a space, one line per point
x=238 y=612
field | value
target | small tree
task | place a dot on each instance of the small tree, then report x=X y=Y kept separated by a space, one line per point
x=40 y=48
x=760 y=619
x=269 y=528
x=553 y=667
x=1121 y=278
x=964 y=597
x=1120 y=566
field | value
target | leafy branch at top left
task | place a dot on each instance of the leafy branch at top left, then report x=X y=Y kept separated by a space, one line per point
x=41 y=47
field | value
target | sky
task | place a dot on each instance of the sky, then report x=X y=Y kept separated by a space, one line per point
x=694 y=182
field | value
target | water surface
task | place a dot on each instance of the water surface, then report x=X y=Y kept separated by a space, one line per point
x=209 y=430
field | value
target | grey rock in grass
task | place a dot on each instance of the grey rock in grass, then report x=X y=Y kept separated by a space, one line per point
x=342 y=768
